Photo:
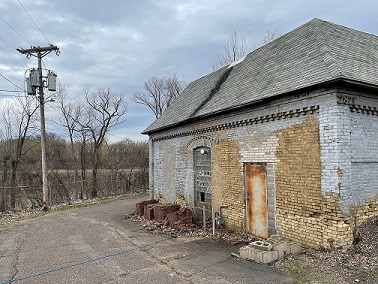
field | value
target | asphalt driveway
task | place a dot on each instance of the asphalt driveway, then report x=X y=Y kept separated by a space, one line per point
x=96 y=244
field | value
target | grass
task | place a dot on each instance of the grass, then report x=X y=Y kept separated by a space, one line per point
x=295 y=270
x=303 y=271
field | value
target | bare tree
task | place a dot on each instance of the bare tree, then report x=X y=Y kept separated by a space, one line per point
x=73 y=115
x=70 y=114
x=159 y=93
x=83 y=139
x=235 y=48
x=128 y=160
x=104 y=110
x=128 y=154
x=17 y=121
x=269 y=36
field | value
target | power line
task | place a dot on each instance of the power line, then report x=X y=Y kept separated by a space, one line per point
x=9 y=91
x=10 y=95
x=14 y=31
x=33 y=21
x=8 y=43
x=13 y=78
x=51 y=64
x=11 y=82
x=6 y=95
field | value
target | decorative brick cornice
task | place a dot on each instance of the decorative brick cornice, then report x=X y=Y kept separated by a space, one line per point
x=241 y=123
x=364 y=109
x=207 y=138
x=351 y=102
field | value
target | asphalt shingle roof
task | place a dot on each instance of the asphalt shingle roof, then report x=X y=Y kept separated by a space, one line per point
x=314 y=53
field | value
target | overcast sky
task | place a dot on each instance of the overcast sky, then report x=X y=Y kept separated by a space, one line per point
x=121 y=43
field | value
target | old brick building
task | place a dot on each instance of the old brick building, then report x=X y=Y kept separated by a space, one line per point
x=284 y=141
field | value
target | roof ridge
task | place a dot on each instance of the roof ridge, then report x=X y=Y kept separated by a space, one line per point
x=214 y=90
x=332 y=64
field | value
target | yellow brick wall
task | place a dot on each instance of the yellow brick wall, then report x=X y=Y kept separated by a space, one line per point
x=227 y=183
x=304 y=214
x=298 y=182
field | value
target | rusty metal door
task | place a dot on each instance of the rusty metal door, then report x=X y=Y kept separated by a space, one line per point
x=256 y=200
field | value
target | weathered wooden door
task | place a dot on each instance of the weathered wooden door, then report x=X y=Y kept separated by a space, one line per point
x=256 y=200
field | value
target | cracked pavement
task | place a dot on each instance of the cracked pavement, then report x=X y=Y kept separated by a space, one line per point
x=60 y=239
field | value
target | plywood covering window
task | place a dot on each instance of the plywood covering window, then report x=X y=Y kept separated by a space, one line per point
x=202 y=167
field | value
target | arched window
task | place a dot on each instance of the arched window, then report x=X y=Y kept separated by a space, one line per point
x=202 y=175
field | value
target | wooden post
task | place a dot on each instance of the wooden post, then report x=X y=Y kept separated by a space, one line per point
x=213 y=219
x=204 y=218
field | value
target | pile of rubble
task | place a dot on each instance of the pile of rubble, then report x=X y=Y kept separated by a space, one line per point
x=168 y=215
x=171 y=220
x=367 y=238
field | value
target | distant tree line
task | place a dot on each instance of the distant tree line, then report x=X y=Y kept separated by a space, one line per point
x=81 y=163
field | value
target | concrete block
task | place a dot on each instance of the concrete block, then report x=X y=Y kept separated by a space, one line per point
x=269 y=256
x=246 y=253
x=261 y=256
x=258 y=255
x=294 y=247
x=261 y=245
x=282 y=249
x=252 y=253
x=243 y=252
x=273 y=239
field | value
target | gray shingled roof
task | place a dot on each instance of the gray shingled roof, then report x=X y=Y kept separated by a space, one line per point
x=314 y=53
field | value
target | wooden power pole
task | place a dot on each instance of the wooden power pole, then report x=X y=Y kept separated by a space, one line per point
x=40 y=52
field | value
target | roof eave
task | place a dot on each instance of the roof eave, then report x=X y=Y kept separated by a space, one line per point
x=330 y=83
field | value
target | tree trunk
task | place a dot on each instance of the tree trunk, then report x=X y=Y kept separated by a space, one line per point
x=4 y=193
x=96 y=158
x=83 y=170
x=13 y=184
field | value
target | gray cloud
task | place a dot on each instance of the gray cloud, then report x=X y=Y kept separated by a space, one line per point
x=120 y=43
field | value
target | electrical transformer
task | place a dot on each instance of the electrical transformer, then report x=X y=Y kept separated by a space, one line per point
x=51 y=81
x=29 y=87
x=34 y=78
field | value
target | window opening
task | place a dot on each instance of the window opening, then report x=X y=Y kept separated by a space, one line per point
x=202 y=167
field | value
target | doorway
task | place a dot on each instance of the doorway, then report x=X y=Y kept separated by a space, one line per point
x=256 y=200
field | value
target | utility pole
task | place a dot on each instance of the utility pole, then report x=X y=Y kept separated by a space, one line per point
x=40 y=52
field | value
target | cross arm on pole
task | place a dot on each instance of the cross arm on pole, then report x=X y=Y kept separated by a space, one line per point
x=38 y=50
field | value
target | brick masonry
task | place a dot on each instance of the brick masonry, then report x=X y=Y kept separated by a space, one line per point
x=320 y=149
